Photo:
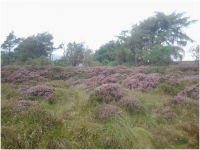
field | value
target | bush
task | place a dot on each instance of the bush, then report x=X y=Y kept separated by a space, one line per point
x=142 y=82
x=168 y=89
x=154 y=69
x=106 y=93
x=107 y=111
x=190 y=92
x=168 y=113
x=42 y=61
x=130 y=103
x=160 y=55
x=110 y=89
x=41 y=90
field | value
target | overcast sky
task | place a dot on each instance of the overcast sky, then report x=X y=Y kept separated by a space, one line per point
x=95 y=22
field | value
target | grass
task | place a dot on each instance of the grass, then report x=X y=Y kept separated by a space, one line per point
x=71 y=122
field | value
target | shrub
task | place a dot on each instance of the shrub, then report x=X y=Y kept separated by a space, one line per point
x=168 y=89
x=106 y=93
x=190 y=92
x=41 y=90
x=178 y=99
x=168 y=113
x=42 y=61
x=142 y=82
x=130 y=103
x=101 y=79
x=154 y=69
x=187 y=67
x=23 y=76
x=107 y=111
x=110 y=89
x=25 y=104
x=190 y=78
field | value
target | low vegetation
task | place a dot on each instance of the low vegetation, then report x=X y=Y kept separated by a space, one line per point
x=146 y=107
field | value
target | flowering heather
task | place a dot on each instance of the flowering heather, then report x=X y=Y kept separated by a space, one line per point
x=108 y=71
x=190 y=92
x=186 y=67
x=107 y=111
x=167 y=111
x=142 y=82
x=111 y=89
x=97 y=80
x=23 y=76
x=178 y=99
x=24 y=104
x=130 y=103
x=41 y=90
x=190 y=78
x=141 y=69
x=108 y=88
x=101 y=79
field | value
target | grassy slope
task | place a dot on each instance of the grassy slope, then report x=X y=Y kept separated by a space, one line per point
x=71 y=122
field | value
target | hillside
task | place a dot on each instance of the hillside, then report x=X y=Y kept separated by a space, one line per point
x=100 y=107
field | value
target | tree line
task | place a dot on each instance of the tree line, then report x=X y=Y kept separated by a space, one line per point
x=157 y=40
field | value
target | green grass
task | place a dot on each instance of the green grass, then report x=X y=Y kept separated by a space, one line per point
x=70 y=122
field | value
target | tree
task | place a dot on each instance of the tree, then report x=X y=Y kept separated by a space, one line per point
x=35 y=46
x=73 y=54
x=195 y=53
x=58 y=62
x=5 y=57
x=10 y=42
x=160 y=29
x=106 y=52
x=88 y=58
x=161 y=55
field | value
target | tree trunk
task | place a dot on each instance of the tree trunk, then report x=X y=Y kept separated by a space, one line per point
x=9 y=56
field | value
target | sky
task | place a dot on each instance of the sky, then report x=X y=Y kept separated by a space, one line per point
x=95 y=22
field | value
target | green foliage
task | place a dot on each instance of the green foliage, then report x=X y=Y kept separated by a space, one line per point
x=7 y=59
x=160 y=55
x=195 y=53
x=106 y=52
x=154 y=69
x=35 y=46
x=41 y=61
x=96 y=98
x=168 y=89
x=147 y=41
x=88 y=58
x=58 y=62
x=10 y=42
x=73 y=54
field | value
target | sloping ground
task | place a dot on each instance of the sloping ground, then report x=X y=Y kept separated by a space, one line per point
x=100 y=107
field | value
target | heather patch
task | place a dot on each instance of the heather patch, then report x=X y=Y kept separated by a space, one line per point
x=107 y=111
x=190 y=78
x=130 y=103
x=187 y=93
x=142 y=82
x=24 y=76
x=106 y=93
x=186 y=67
x=92 y=111
x=41 y=90
x=168 y=113
x=110 y=89
x=101 y=79
x=25 y=104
